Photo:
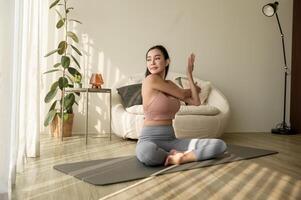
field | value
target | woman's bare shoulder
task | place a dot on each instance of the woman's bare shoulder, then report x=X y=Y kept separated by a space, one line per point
x=157 y=83
x=152 y=77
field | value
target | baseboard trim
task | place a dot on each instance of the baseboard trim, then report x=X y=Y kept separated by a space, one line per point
x=83 y=133
x=3 y=196
x=247 y=132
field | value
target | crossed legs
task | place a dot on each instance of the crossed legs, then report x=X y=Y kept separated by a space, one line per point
x=178 y=151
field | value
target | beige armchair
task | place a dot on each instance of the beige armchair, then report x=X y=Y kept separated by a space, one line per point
x=204 y=121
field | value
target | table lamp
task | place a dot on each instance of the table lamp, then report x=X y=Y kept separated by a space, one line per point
x=96 y=80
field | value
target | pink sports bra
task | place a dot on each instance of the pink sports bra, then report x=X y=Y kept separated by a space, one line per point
x=161 y=107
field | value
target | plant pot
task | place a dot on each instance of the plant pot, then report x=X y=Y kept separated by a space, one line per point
x=55 y=126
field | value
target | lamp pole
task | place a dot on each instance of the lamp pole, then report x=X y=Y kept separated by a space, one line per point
x=282 y=128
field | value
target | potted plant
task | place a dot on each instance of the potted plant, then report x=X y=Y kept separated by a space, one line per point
x=67 y=69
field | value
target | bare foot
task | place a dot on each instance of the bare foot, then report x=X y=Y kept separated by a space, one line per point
x=173 y=152
x=178 y=157
x=174 y=159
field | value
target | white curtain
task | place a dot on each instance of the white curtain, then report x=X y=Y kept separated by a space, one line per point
x=6 y=51
x=29 y=47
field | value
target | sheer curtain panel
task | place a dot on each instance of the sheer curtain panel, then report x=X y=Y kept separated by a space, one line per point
x=30 y=18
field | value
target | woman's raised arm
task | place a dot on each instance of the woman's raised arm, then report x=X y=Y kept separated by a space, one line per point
x=156 y=82
x=194 y=99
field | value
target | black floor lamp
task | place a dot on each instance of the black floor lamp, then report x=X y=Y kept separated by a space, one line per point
x=270 y=10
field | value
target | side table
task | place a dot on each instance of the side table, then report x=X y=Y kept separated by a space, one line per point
x=87 y=91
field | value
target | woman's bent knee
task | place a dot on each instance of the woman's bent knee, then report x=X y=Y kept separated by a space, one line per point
x=220 y=146
x=210 y=148
x=149 y=154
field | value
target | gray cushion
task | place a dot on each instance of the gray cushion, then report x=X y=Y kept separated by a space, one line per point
x=130 y=95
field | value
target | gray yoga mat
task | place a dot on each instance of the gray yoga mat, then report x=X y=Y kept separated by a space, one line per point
x=128 y=168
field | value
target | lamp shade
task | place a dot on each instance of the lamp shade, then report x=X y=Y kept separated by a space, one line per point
x=270 y=9
x=96 y=80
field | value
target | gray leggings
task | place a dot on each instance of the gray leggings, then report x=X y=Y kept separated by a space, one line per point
x=155 y=142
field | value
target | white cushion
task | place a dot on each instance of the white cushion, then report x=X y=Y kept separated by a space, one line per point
x=136 y=109
x=184 y=110
x=205 y=91
x=198 y=110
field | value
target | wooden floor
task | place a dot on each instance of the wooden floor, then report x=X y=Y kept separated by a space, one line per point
x=271 y=177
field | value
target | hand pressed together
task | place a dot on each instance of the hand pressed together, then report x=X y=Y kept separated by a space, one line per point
x=190 y=66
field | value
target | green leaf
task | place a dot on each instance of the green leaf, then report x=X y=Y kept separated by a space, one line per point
x=78 y=78
x=73 y=36
x=49 y=117
x=66 y=116
x=54 y=85
x=73 y=71
x=52 y=107
x=74 y=59
x=62 y=46
x=50 y=95
x=51 y=52
x=68 y=9
x=52 y=70
x=74 y=20
x=69 y=101
x=54 y=3
x=75 y=49
x=60 y=23
x=65 y=61
x=57 y=65
x=61 y=17
x=70 y=78
x=63 y=82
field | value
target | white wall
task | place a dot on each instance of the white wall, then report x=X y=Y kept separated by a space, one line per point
x=238 y=49
x=6 y=24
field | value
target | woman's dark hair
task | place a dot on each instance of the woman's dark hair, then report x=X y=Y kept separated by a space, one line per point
x=165 y=55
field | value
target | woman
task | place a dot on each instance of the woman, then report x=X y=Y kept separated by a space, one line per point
x=157 y=144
